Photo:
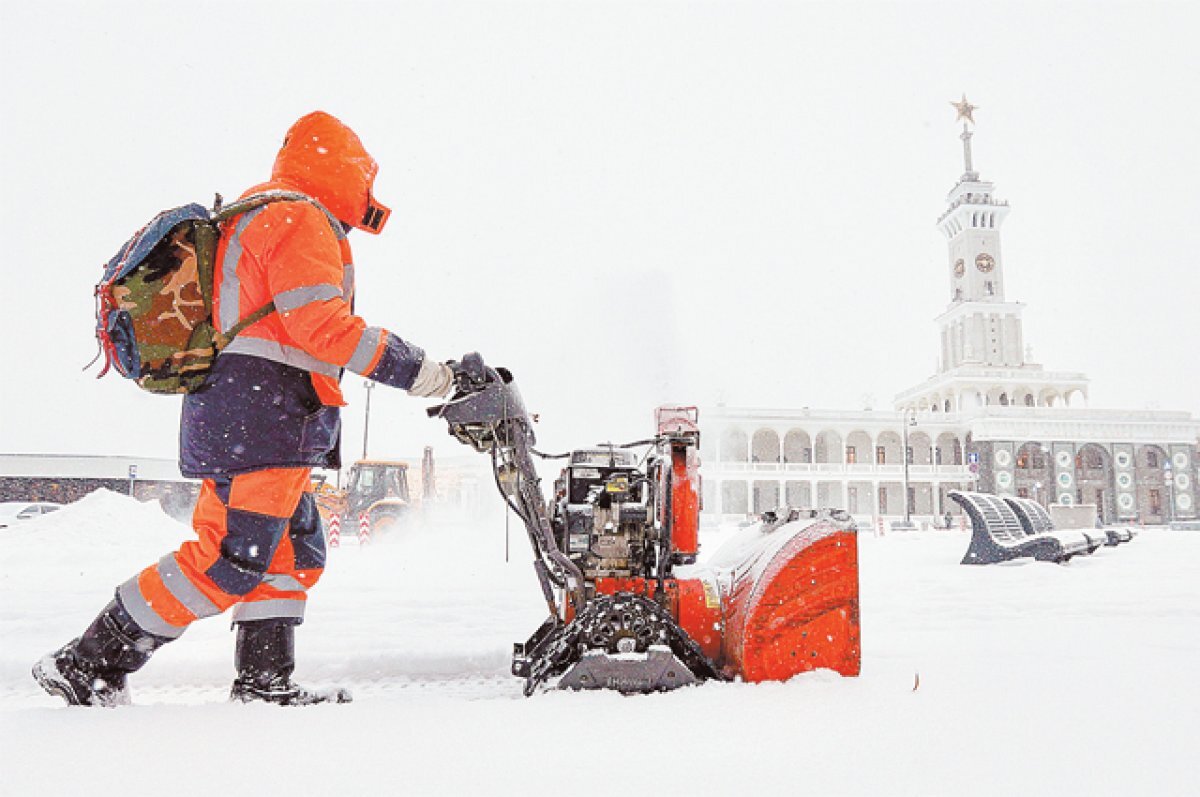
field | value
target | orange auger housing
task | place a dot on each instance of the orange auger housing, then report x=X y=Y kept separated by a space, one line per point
x=791 y=600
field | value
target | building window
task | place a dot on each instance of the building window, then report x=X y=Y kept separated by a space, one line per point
x=1028 y=399
x=1155 y=501
x=880 y=455
x=883 y=500
x=947 y=405
x=1152 y=459
x=733 y=498
x=1023 y=461
x=987 y=286
x=937 y=456
x=1003 y=399
x=1039 y=460
x=851 y=455
x=1022 y=492
x=807 y=455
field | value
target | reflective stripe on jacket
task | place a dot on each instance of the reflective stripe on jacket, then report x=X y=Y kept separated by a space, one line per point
x=289 y=253
x=272 y=398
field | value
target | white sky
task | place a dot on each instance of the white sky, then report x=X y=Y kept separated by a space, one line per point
x=625 y=203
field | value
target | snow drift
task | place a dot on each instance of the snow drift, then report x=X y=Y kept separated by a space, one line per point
x=1033 y=678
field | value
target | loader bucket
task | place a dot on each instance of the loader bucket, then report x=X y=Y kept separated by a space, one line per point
x=790 y=599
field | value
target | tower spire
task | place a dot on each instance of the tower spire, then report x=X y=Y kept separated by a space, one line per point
x=966 y=112
x=968 y=170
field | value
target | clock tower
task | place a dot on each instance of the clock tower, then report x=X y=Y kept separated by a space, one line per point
x=984 y=359
x=980 y=327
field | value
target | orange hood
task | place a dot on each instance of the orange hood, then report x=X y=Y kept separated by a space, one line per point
x=323 y=158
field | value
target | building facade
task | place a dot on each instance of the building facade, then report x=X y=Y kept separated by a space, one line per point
x=63 y=478
x=989 y=419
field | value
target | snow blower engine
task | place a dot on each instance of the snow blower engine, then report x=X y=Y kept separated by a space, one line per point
x=778 y=599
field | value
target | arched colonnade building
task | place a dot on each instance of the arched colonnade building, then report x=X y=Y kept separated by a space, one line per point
x=990 y=419
x=1136 y=467
x=756 y=460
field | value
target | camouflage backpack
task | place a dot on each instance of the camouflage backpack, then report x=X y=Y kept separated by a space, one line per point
x=154 y=303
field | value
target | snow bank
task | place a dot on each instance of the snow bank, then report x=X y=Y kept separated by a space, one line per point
x=1033 y=678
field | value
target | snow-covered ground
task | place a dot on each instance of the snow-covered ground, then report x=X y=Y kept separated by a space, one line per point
x=1034 y=679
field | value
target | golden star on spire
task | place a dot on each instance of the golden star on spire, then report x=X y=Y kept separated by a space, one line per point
x=965 y=109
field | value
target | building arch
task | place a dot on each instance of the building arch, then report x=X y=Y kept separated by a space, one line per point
x=949 y=449
x=797 y=447
x=1033 y=472
x=764 y=446
x=859 y=449
x=887 y=449
x=828 y=448
x=922 y=448
x=1048 y=398
x=1152 y=492
x=735 y=446
x=1094 y=480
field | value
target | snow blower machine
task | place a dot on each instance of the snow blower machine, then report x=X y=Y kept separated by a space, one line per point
x=614 y=553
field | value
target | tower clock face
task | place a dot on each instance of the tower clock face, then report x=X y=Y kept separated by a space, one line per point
x=959 y=268
x=985 y=262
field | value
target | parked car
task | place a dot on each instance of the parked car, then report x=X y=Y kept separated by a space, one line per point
x=13 y=511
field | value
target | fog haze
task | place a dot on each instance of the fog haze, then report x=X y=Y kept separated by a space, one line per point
x=624 y=203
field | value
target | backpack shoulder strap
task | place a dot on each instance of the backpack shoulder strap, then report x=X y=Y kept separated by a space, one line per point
x=222 y=339
x=253 y=201
x=224 y=213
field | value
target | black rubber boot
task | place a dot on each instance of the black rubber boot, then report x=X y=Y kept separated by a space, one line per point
x=265 y=658
x=91 y=670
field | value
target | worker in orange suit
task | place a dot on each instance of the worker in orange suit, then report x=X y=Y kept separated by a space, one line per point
x=268 y=413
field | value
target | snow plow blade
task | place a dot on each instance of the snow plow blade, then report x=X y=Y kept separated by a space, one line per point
x=790 y=596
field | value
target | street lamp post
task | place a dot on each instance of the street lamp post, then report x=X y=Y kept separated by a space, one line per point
x=367 y=421
x=907 y=419
x=1169 y=478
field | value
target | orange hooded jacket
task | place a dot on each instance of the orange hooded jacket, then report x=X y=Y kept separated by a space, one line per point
x=290 y=253
x=297 y=256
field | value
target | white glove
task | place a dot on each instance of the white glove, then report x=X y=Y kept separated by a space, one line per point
x=433 y=380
